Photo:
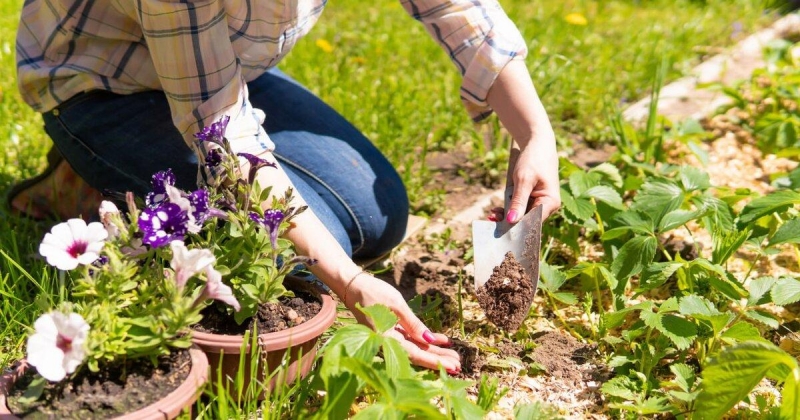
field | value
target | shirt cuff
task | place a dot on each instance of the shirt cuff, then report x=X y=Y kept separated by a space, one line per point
x=503 y=44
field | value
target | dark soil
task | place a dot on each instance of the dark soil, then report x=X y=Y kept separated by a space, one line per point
x=115 y=390
x=471 y=362
x=271 y=317
x=507 y=296
x=562 y=356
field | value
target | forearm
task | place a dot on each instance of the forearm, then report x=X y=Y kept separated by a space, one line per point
x=514 y=99
x=310 y=236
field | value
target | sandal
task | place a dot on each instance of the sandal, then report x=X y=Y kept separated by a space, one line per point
x=54 y=159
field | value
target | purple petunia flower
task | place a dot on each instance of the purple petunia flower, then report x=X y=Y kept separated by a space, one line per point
x=256 y=163
x=159 y=194
x=199 y=205
x=272 y=221
x=163 y=224
x=213 y=158
x=215 y=133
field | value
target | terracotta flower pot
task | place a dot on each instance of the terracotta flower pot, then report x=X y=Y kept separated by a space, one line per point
x=168 y=407
x=300 y=342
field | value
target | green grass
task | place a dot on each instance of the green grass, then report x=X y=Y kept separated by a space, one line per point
x=393 y=82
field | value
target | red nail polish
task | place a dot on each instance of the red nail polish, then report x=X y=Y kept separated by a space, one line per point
x=512 y=216
x=452 y=371
x=427 y=336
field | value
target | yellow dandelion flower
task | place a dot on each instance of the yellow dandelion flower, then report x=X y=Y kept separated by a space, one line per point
x=576 y=19
x=325 y=45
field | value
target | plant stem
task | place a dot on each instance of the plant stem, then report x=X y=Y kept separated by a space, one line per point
x=561 y=319
x=600 y=227
x=460 y=308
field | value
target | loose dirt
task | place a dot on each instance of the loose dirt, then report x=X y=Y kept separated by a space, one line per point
x=507 y=296
x=271 y=317
x=114 y=390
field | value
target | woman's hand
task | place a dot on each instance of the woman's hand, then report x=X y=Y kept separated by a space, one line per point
x=425 y=348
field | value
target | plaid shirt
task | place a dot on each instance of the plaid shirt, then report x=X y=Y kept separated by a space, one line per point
x=202 y=53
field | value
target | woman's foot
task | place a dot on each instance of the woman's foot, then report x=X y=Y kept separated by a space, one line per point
x=60 y=195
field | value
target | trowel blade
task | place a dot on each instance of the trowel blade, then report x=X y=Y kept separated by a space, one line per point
x=492 y=240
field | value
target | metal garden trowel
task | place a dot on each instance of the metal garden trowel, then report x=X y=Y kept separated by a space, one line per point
x=492 y=240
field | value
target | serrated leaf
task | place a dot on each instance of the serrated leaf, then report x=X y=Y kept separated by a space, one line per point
x=396 y=359
x=579 y=182
x=786 y=290
x=693 y=305
x=677 y=218
x=684 y=375
x=605 y=194
x=759 y=290
x=352 y=342
x=656 y=274
x=635 y=221
x=772 y=203
x=657 y=198
x=381 y=316
x=788 y=233
x=718 y=214
x=680 y=331
x=634 y=256
x=622 y=387
x=616 y=318
x=733 y=373
x=565 y=297
x=763 y=317
x=742 y=331
x=729 y=287
x=551 y=277
x=608 y=172
x=693 y=178
x=581 y=209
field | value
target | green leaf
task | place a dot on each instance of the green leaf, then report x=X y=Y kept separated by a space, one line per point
x=760 y=290
x=790 y=396
x=396 y=359
x=772 y=203
x=694 y=178
x=608 y=172
x=579 y=182
x=728 y=286
x=605 y=194
x=742 y=331
x=382 y=317
x=693 y=305
x=763 y=317
x=551 y=277
x=657 y=198
x=353 y=341
x=377 y=410
x=580 y=209
x=341 y=390
x=656 y=274
x=684 y=376
x=677 y=218
x=634 y=256
x=788 y=233
x=635 y=221
x=733 y=373
x=718 y=214
x=616 y=318
x=726 y=243
x=680 y=331
x=565 y=297
x=622 y=387
x=785 y=291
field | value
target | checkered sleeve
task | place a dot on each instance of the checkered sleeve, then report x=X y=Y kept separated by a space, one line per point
x=479 y=38
x=198 y=70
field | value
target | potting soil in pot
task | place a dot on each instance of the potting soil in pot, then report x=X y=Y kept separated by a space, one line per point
x=507 y=296
x=113 y=391
x=271 y=317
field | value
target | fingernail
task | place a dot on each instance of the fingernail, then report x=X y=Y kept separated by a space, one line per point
x=512 y=216
x=452 y=371
x=427 y=336
x=492 y=218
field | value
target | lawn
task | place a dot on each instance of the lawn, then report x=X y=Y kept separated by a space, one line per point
x=381 y=70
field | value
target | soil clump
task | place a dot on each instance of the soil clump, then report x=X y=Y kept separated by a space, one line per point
x=507 y=295
x=562 y=356
x=116 y=389
x=271 y=317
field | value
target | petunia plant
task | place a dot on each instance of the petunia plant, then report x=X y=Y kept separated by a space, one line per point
x=141 y=279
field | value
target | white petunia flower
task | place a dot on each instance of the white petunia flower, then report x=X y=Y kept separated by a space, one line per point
x=108 y=212
x=216 y=289
x=73 y=242
x=187 y=263
x=56 y=348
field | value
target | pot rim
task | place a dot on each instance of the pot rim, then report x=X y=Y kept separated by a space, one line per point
x=297 y=335
x=168 y=406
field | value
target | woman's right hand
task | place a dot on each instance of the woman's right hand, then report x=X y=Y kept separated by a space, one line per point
x=425 y=348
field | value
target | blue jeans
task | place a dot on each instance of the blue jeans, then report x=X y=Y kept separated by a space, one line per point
x=116 y=142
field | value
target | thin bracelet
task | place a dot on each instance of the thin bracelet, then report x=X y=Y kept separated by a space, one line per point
x=347 y=288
